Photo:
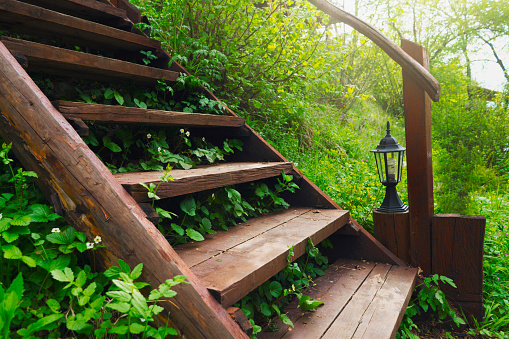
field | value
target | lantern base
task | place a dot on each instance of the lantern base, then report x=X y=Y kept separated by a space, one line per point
x=392 y=203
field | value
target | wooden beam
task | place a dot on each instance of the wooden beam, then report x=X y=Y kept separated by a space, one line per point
x=199 y=179
x=132 y=115
x=96 y=204
x=59 y=60
x=29 y=19
x=416 y=71
x=458 y=247
x=417 y=106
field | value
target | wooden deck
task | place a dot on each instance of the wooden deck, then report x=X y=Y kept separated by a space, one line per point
x=361 y=300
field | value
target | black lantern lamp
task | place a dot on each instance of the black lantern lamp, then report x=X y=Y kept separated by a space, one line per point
x=389 y=162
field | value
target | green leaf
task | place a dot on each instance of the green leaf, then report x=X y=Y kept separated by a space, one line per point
x=286 y=320
x=265 y=309
x=10 y=237
x=306 y=303
x=119 y=98
x=136 y=328
x=59 y=275
x=16 y=286
x=5 y=224
x=124 y=266
x=53 y=305
x=90 y=289
x=135 y=274
x=140 y=304
x=178 y=229
x=196 y=236
x=12 y=252
x=62 y=238
x=81 y=279
x=42 y=213
x=108 y=93
x=111 y=145
x=122 y=307
x=275 y=289
x=188 y=205
x=29 y=261
x=21 y=220
x=119 y=330
x=119 y=296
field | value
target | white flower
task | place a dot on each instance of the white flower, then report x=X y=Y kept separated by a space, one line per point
x=142 y=320
x=159 y=149
x=203 y=138
x=90 y=245
x=55 y=230
x=97 y=239
x=181 y=130
x=149 y=136
x=1 y=216
x=187 y=133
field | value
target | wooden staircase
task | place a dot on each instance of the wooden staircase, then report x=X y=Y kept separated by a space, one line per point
x=361 y=298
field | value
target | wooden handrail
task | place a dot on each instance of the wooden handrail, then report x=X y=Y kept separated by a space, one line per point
x=418 y=72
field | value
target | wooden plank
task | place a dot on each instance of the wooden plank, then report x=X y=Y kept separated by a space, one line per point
x=393 y=231
x=31 y=19
x=131 y=115
x=417 y=107
x=85 y=9
x=194 y=253
x=237 y=271
x=58 y=60
x=335 y=289
x=415 y=70
x=241 y=319
x=384 y=314
x=348 y=321
x=96 y=204
x=457 y=244
x=200 y=179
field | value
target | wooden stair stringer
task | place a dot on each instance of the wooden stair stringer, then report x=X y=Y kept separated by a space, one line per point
x=96 y=203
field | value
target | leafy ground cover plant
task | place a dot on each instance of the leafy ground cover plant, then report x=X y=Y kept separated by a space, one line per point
x=264 y=305
x=48 y=285
x=429 y=298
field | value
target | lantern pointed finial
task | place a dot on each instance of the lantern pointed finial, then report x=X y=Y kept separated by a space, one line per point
x=388 y=128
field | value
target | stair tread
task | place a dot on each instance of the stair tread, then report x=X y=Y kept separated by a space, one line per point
x=361 y=300
x=85 y=9
x=63 y=61
x=235 y=262
x=32 y=19
x=200 y=179
x=120 y=114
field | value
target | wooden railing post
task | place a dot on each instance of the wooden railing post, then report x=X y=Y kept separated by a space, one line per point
x=417 y=106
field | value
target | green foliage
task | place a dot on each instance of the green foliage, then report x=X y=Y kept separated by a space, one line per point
x=45 y=288
x=429 y=298
x=209 y=211
x=264 y=304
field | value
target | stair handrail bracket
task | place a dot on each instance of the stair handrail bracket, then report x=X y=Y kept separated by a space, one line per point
x=417 y=71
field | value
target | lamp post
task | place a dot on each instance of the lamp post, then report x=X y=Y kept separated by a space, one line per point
x=389 y=162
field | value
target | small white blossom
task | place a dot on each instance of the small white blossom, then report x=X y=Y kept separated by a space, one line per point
x=142 y=320
x=55 y=230
x=1 y=216
x=203 y=138
x=159 y=149
x=97 y=239
x=188 y=133
x=90 y=245
x=182 y=130
x=149 y=136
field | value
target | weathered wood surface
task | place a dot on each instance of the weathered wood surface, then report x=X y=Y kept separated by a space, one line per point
x=79 y=126
x=199 y=179
x=39 y=21
x=85 y=9
x=241 y=319
x=415 y=70
x=457 y=247
x=62 y=61
x=132 y=11
x=393 y=231
x=96 y=204
x=361 y=300
x=194 y=253
x=233 y=273
x=131 y=115
x=417 y=108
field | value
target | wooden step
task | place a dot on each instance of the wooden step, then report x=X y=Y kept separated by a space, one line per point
x=38 y=21
x=200 y=179
x=361 y=300
x=91 y=10
x=62 y=61
x=130 y=115
x=233 y=263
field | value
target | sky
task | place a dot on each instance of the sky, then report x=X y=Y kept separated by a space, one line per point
x=485 y=70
